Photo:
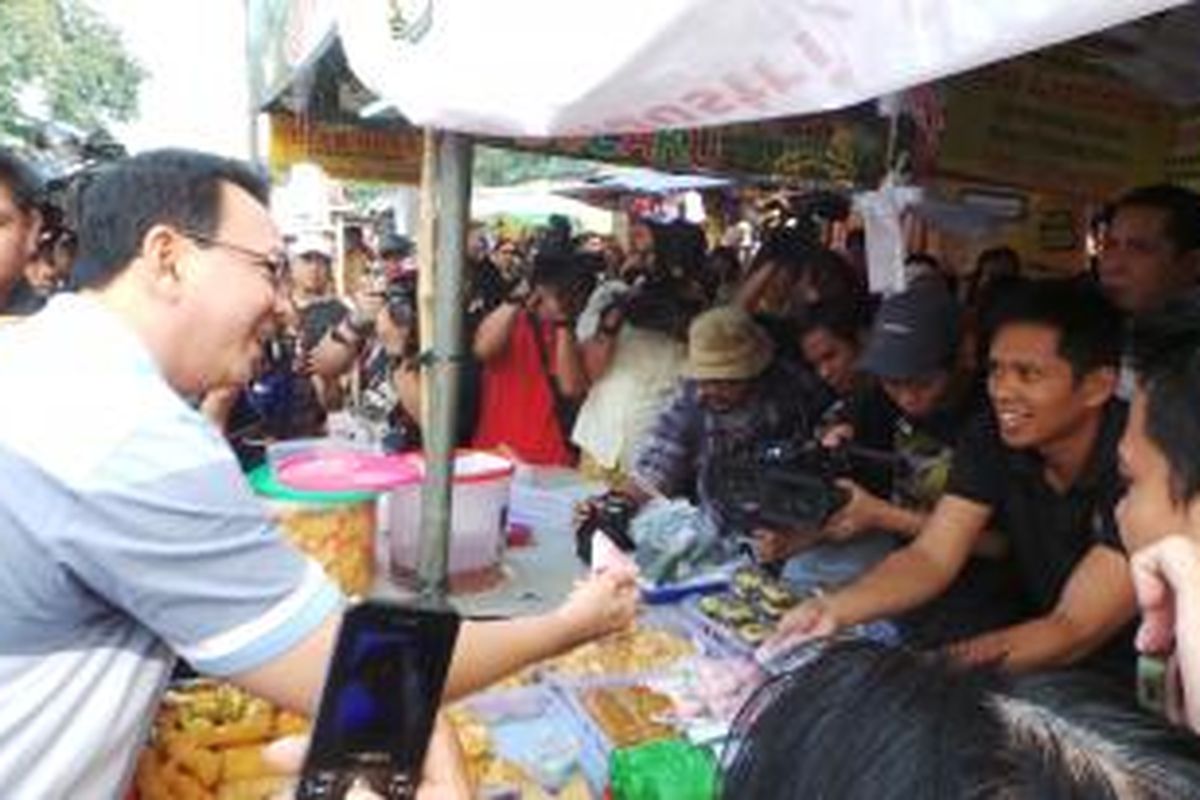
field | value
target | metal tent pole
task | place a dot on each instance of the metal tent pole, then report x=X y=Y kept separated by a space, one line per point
x=447 y=182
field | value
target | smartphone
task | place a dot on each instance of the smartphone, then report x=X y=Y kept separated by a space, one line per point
x=380 y=699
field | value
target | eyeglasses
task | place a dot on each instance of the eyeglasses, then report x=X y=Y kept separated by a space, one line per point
x=275 y=262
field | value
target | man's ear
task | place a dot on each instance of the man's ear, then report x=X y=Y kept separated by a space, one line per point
x=1099 y=386
x=160 y=258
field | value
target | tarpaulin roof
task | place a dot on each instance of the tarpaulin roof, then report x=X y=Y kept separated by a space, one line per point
x=547 y=67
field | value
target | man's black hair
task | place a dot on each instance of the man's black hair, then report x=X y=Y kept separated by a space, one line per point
x=791 y=247
x=1088 y=326
x=1181 y=206
x=842 y=320
x=1167 y=361
x=868 y=722
x=180 y=188
x=571 y=276
x=21 y=180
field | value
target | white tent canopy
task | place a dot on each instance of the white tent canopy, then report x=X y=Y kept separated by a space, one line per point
x=549 y=67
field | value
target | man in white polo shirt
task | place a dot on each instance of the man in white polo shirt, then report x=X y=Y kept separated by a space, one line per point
x=129 y=535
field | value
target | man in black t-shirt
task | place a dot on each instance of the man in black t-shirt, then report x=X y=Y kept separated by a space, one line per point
x=918 y=406
x=1040 y=467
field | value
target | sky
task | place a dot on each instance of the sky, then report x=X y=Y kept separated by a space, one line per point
x=196 y=94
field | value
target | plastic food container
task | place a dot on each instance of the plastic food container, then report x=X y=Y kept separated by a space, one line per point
x=279 y=452
x=335 y=528
x=479 y=517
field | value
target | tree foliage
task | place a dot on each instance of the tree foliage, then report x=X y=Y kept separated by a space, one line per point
x=72 y=57
x=497 y=167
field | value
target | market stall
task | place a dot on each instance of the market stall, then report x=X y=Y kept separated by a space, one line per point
x=600 y=716
x=649 y=705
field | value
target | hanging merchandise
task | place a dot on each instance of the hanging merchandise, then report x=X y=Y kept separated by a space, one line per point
x=881 y=212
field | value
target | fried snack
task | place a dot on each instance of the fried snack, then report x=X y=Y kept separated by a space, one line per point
x=289 y=724
x=207 y=744
x=251 y=789
x=340 y=538
x=628 y=715
x=203 y=763
x=727 y=609
x=630 y=652
x=747 y=582
x=753 y=633
x=242 y=763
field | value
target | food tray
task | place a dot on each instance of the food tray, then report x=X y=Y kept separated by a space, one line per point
x=669 y=619
x=514 y=739
x=754 y=592
x=573 y=697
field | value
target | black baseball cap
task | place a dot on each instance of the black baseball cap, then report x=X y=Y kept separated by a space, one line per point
x=915 y=334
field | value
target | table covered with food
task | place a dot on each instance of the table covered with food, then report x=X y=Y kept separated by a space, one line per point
x=639 y=713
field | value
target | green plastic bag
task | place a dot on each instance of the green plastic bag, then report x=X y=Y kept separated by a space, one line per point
x=669 y=769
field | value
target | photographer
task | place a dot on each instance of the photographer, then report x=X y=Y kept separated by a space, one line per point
x=914 y=411
x=633 y=344
x=533 y=377
x=390 y=375
x=736 y=395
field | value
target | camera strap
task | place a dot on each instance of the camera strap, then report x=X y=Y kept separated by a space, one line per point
x=565 y=411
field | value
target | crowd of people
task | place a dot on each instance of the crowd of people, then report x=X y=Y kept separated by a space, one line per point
x=1018 y=471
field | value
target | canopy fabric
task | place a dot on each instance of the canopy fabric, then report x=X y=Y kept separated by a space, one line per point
x=547 y=67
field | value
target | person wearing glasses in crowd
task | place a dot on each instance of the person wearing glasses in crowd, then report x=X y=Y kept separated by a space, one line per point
x=130 y=535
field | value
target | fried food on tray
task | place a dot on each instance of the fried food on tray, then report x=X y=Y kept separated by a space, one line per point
x=637 y=650
x=207 y=744
x=629 y=715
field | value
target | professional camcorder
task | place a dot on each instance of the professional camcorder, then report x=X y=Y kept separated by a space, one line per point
x=611 y=514
x=789 y=484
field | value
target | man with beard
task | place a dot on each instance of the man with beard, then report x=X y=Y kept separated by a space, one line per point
x=735 y=393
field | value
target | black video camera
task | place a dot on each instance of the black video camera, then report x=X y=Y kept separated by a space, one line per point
x=612 y=514
x=788 y=484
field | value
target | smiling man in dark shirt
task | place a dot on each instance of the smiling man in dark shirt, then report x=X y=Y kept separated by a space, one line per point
x=1042 y=468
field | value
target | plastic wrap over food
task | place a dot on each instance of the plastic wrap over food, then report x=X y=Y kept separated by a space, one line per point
x=675 y=541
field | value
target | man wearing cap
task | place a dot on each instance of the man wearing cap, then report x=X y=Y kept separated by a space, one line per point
x=735 y=393
x=1039 y=465
x=921 y=399
x=920 y=403
x=312 y=274
x=396 y=255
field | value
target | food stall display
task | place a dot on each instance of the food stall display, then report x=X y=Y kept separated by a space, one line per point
x=206 y=744
x=335 y=528
x=747 y=614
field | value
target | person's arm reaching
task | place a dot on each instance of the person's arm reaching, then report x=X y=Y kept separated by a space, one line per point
x=486 y=651
x=866 y=513
x=1097 y=601
x=904 y=580
x=750 y=293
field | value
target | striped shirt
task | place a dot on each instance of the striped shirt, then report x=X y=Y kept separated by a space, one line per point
x=129 y=537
